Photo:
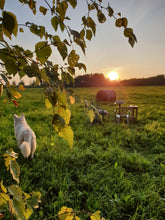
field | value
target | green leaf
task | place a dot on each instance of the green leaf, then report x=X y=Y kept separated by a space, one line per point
x=48 y=103
x=34 y=200
x=56 y=40
x=19 y=209
x=73 y=59
x=67 y=134
x=73 y=3
x=62 y=50
x=11 y=66
x=89 y=34
x=9 y=24
x=43 y=75
x=2 y=3
x=30 y=71
x=15 y=170
x=91 y=115
x=43 y=10
x=16 y=192
x=43 y=51
x=55 y=22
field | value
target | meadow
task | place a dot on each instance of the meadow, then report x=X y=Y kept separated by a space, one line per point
x=118 y=169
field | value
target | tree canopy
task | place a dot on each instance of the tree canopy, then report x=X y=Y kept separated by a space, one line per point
x=14 y=59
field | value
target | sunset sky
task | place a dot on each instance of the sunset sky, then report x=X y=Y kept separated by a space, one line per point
x=109 y=50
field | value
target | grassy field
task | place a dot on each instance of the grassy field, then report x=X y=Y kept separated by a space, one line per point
x=118 y=169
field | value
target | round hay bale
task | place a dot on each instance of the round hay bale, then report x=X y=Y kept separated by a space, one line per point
x=106 y=96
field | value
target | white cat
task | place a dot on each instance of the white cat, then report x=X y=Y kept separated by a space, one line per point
x=25 y=136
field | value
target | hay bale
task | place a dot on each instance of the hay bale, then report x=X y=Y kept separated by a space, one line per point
x=106 y=95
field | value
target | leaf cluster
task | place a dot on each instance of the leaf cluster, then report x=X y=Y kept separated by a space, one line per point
x=12 y=198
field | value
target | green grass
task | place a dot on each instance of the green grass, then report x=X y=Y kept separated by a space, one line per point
x=118 y=169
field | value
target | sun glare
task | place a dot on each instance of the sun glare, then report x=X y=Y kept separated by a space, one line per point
x=113 y=75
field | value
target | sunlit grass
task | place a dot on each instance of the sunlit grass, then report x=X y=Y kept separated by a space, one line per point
x=115 y=168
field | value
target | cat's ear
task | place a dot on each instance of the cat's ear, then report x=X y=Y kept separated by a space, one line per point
x=15 y=116
x=22 y=115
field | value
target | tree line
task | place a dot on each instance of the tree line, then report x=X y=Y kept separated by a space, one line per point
x=99 y=80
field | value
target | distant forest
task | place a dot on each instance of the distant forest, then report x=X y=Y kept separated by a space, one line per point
x=99 y=80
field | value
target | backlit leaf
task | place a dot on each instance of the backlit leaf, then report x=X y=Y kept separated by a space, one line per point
x=64 y=212
x=95 y=216
x=62 y=99
x=67 y=134
x=48 y=103
x=91 y=115
x=72 y=99
x=65 y=114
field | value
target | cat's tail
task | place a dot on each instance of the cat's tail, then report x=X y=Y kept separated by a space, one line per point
x=25 y=149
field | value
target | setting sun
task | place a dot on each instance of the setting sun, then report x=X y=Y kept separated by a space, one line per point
x=113 y=75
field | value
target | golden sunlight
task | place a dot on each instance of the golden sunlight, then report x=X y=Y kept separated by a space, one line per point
x=113 y=75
